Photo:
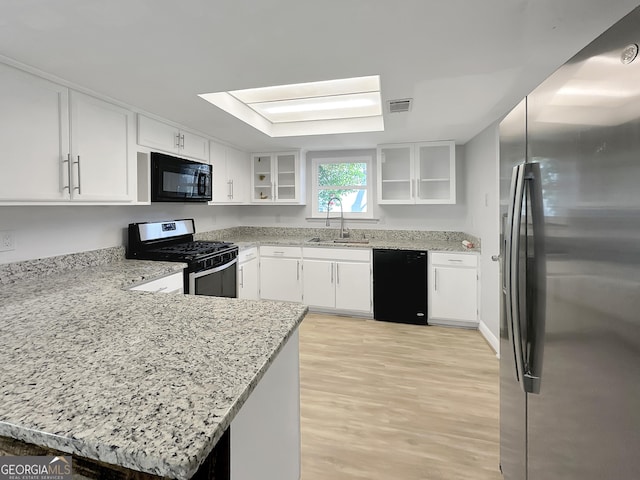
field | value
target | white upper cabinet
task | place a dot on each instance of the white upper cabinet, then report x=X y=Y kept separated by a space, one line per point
x=102 y=154
x=417 y=173
x=276 y=178
x=435 y=172
x=231 y=172
x=58 y=145
x=161 y=136
x=34 y=138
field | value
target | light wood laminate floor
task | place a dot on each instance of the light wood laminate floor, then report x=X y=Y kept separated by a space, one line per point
x=396 y=402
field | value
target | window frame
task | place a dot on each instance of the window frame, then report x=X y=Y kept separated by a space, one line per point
x=360 y=157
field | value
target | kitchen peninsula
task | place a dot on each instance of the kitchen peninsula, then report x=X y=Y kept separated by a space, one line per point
x=146 y=383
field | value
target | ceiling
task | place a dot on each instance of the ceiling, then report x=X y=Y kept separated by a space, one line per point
x=464 y=62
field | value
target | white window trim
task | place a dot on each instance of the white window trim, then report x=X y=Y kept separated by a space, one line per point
x=368 y=159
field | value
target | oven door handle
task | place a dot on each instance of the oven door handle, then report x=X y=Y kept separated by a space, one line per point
x=213 y=270
x=194 y=275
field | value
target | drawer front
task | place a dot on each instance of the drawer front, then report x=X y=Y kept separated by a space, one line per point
x=454 y=259
x=289 y=252
x=349 y=254
x=247 y=254
x=170 y=284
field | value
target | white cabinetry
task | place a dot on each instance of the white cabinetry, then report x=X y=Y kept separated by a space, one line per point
x=453 y=289
x=337 y=279
x=57 y=145
x=276 y=178
x=102 y=162
x=248 y=274
x=231 y=174
x=411 y=173
x=172 y=283
x=162 y=136
x=280 y=273
x=34 y=138
x=265 y=433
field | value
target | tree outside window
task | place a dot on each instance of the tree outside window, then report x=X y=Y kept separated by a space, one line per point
x=347 y=179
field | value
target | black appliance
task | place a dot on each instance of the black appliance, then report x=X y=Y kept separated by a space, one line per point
x=400 y=286
x=175 y=179
x=211 y=266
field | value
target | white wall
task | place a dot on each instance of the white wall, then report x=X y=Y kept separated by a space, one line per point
x=45 y=231
x=482 y=162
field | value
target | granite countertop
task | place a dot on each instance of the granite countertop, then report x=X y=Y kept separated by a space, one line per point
x=142 y=380
x=389 y=239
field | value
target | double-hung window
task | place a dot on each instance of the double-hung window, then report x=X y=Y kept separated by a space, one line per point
x=342 y=179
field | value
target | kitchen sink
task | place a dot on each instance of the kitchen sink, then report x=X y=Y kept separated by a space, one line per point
x=351 y=240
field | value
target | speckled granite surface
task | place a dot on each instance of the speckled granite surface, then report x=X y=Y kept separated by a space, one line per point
x=12 y=272
x=147 y=381
x=392 y=239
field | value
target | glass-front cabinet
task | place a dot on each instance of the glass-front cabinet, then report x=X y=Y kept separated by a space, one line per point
x=411 y=173
x=276 y=178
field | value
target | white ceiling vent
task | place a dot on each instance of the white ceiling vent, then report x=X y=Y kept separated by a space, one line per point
x=401 y=105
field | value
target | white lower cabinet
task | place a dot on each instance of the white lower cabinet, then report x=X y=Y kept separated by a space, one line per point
x=265 y=433
x=280 y=273
x=353 y=286
x=453 y=289
x=172 y=283
x=248 y=277
x=337 y=279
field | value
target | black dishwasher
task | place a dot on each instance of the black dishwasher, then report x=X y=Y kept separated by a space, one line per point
x=400 y=286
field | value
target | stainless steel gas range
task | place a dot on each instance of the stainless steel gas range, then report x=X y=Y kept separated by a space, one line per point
x=211 y=266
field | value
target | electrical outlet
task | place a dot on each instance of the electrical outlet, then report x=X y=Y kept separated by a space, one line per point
x=7 y=241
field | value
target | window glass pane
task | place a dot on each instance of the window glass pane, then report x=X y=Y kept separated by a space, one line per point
x=339 y=174
x=353 y=201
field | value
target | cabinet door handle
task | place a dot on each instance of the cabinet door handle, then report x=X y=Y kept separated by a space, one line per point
x=230 y=192
x=68 y=162
x=435 y=280
x=79 y=187
x=337 y=274
x=331 y=267
x=232 y=189
x=297 y=269
x=182 y=141
x=241 y=277
x=455 y=260
x=177 y=138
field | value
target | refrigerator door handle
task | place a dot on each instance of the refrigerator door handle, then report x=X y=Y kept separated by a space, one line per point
x=512 y=268
x=536 y=281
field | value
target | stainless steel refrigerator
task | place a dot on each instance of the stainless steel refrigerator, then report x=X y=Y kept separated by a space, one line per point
x=570 y=216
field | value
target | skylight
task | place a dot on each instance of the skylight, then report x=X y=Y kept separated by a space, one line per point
x=347 y=105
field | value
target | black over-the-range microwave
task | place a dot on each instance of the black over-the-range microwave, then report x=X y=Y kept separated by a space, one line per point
x=175 y=179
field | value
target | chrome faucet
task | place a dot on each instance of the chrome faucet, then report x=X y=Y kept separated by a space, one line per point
x=344 y=232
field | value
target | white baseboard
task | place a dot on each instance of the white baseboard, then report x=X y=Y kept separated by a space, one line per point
x=491 y=339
